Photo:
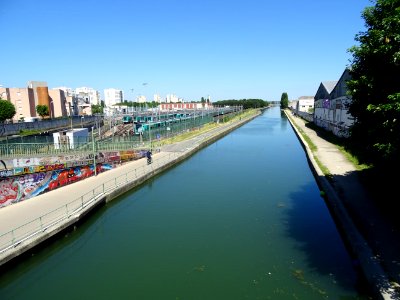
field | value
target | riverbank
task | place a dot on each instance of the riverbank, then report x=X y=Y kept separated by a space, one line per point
x=370 y=238
x=28 y=224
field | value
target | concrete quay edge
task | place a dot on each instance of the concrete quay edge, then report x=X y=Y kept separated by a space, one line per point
x=370 y=266
x=68 y=222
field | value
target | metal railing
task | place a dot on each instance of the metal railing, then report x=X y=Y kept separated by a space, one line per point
x=21 y=148
x=37 y=227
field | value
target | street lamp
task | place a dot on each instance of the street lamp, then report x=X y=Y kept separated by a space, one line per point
x=81 y=122
x=94 y=153
x=51 y=104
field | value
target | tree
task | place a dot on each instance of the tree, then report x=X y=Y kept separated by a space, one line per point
x=374 y=87
x=246 y=103
x=42 y=110
x=97 y=109
x=203 y=101
x=284 y=100
x=7 y=110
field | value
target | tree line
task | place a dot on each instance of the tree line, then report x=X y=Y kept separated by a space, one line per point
x=246 y=103
x=374 y=87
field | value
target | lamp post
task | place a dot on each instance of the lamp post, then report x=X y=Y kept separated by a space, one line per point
x=81 y=122
x=51 y=104
x=94 y=153
x=70 y=116
x=150 y=133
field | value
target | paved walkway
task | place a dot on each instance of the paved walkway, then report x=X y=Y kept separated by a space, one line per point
x=383 y=238
x=24 y=218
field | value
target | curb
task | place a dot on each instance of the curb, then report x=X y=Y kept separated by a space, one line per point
x=370 y=266
x=54 y=231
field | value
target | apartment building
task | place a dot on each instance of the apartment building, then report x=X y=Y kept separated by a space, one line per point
x=157 y=98
x=23 y=100
x=58 y=103
x=113 y=96
x=71 y=101
x=26 y=99
x=90 y=95
x=171 y=98
x=141 y=99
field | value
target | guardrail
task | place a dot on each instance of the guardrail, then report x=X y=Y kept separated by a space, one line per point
x=38 y=226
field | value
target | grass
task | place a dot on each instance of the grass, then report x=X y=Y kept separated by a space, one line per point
x=341 y=144
x=26 y=132
x=205 y=128
x=353 y=159
x=313 y=149
x=311 y=145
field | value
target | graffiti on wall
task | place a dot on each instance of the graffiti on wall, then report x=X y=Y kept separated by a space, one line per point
x=24 y=178
x=22 y=166
x=19 y=188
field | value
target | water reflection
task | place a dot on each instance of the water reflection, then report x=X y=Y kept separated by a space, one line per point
x=241 y=219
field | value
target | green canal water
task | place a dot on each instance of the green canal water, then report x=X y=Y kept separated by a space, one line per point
x=241 y=219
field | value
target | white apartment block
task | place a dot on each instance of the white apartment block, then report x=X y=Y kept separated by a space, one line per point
x=157 y=98
x=68 y=91
x=141 y=99
x=171 y=98
x=90 y=95
x=113 y=96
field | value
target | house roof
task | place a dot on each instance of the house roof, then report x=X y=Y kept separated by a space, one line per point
x=341 y=87
x=329 y=85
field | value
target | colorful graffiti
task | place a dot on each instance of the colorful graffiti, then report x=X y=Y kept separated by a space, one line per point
x=22 y=166
x=19 y=188
x=24 y=178
x=131 y=155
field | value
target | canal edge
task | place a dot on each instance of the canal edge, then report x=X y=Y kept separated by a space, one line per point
x=370 y=267
x=55 y=231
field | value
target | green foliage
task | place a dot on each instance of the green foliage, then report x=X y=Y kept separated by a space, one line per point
x=246 y=103
x=97 y=109
x=42 y=110
x=7 y=110
x=27 y=132
x=284 y=100
x=374 y=87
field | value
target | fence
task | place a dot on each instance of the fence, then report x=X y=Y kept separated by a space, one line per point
x=75 y=121
x=59 y=216
x=50 y=220
x=45 y=145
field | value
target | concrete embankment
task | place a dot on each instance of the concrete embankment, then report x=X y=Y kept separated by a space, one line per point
x=31 y=223
x=359 y=248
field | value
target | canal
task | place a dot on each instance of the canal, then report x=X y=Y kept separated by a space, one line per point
x=241 y=219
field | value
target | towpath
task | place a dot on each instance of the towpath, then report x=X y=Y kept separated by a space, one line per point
x=382 y=237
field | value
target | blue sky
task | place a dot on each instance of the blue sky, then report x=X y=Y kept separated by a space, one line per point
x=193 y=48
